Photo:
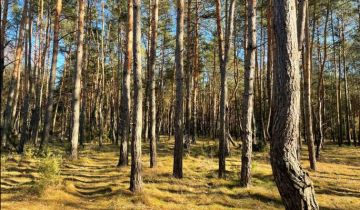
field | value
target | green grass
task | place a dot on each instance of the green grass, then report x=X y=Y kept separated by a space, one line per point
x=94 y=181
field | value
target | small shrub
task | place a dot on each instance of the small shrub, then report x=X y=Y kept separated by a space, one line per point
x=29 y=152
x=259 y=147
x=3 y=163
x=49 y=173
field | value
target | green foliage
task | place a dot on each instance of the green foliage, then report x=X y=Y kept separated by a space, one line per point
x=3 y=161
x=49 y=174
x=259 y=146
x=29 y=152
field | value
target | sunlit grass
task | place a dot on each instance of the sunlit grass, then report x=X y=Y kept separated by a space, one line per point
x=94 y=181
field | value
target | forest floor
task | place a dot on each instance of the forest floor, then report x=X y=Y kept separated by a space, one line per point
x=94 y=181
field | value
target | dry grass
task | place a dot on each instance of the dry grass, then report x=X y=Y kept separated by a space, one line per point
x=94 y=181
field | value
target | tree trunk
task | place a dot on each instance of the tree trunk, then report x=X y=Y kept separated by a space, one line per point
x=179 y=68
x=321 y=89
x=270 y=64
x=223 y=57
x=14 y=81
x=248 y=103
x=51 y=88
x=152 y=98
x=135 y=176
x=77 y=82
x=196 y=75
x=27 y=88
x=293 y=182
x=347 y=100
x=189 y=73
x=3 y=23
x=307 y=91
x=125 y=93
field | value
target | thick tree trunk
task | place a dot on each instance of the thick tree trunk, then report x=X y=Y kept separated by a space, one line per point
x=135 y=176
x=125 y=93
x=179 y=66
x=293 y=182
x=152 y=98
x=77 y=82
x=248 y=104
x=51 y=85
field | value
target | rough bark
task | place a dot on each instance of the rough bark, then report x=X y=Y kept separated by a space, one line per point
x=223 y=57
x=248 y=102
x=125 y=93
x=307 y=92
x=152 y=98
x=179 y=69
x=14 y=81
x=3 y=25
x=346 y=89
x=321 y=89
x=51 y=88
x=27 y=86
x=135 y=175
x=77 y=83
x=294 y=184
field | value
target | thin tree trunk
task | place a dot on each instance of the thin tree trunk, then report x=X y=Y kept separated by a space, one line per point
x=248 y=104
x=125 y=94
x=223 y=57
x=307 y=91
x=4 y=5
x=77 y=82
x=347 y=100
x=14 y=81
x=179 y=66
x=270 y=63
x=152 y=98
x=321 y=89
x=27 y=86
x=196 y=75
x=189 y=72
x=135 y=176
x=51 y=85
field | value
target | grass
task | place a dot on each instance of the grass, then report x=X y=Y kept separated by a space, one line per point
x=94 y=181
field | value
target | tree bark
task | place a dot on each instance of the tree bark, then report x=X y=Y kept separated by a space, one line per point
x=294 y=184
x=223 y=57
x=51 y=88
x=14 y=81
x=321 y=89
x=152 y=98
x=135 y=176
x=3 y=26
x=179 y=68
x=307 y=92
x=77 y=82
x=27 y=88
x=248 y=104
x=125 y=93
x=347 y=100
